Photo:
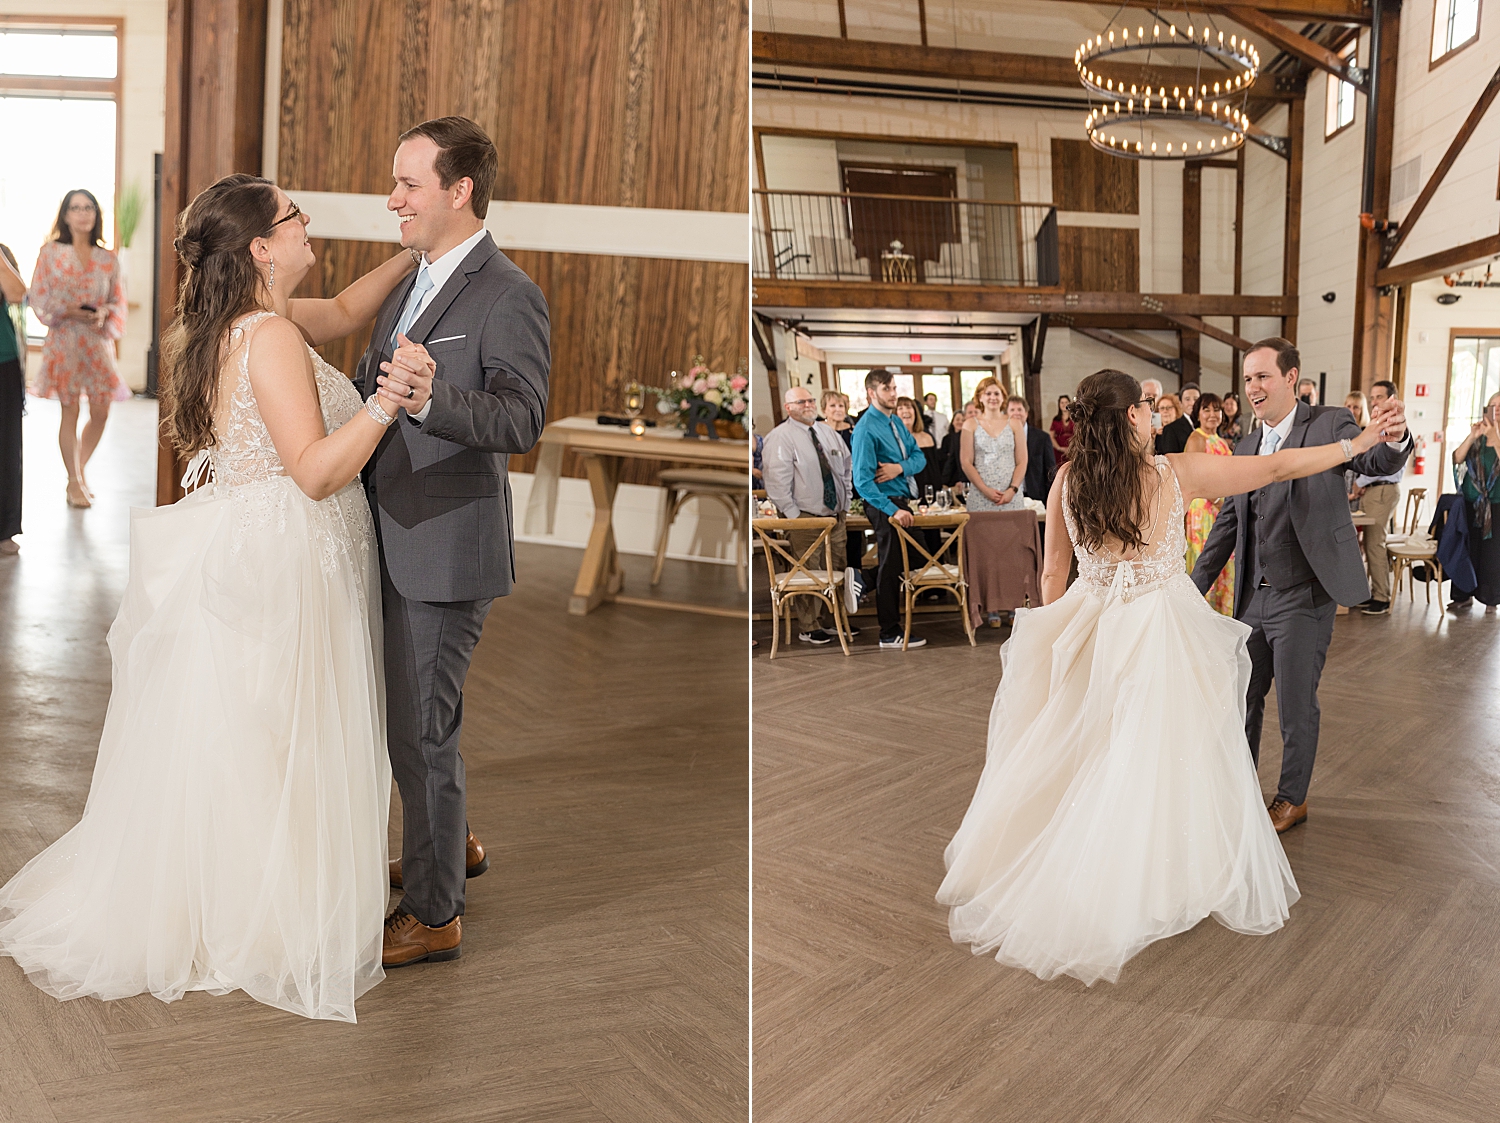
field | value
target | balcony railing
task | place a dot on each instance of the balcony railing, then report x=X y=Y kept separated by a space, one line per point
x=819 y=236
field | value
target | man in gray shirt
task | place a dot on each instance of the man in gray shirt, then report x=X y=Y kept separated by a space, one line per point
x=808 y=472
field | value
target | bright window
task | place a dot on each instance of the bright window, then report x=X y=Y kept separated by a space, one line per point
x=72 y=116
x=1455 y=24
x=941 y=386
x=1474 y=379
x=852 y=383
x=969 y=380
x=1340 y=111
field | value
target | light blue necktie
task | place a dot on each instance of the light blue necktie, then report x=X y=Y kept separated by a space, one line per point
x=419 y=290
x=1271 y=443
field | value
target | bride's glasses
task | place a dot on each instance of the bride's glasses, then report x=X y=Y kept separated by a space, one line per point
x=295 y=212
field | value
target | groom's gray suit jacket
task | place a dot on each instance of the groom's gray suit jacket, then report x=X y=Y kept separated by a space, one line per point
x=439 y=488
x=1302 y=529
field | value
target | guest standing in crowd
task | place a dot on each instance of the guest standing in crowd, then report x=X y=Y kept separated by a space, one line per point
x=808 y=473
x=1062 y=430
x=78 y=293
x=951 y=450
x=932 y=474
x=886 y=462
x=12 y=397
x=1476 y=469
x=1041 y=465
x=1201 y=513
x=1377 y=496
x=1307 y=391
x=940 y=424
x=1151 y=391
x=1189 y=396
x=1355 y=403
x=1230 y=428
x=834 y=405
x=993 y=453
x=1175 y=428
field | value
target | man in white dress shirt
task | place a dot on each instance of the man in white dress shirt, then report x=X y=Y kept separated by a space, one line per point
x=940 y=420
x=808 y=472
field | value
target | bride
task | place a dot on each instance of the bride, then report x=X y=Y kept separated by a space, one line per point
x=1102 y=823
x=235 y=832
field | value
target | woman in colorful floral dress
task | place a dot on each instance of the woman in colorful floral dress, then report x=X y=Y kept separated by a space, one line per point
x=1201 y=513
x=78 y=293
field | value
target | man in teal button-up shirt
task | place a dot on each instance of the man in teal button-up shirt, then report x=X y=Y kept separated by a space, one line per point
x=886 y=462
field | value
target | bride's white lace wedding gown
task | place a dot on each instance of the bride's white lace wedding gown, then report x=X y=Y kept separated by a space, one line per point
x=1118 y=803
x=235 y=832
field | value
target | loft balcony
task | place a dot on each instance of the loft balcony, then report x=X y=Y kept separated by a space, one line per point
x=852 y=238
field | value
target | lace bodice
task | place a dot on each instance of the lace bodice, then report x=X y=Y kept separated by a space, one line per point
x=1107 y=573
x=243 y=452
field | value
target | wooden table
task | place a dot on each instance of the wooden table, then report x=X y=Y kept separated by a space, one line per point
x=936 y=518
x=603 y=449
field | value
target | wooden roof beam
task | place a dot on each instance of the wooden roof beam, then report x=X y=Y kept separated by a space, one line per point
x=1323 y=11
x=1440 y=264
x=1202 y=327
x=1298 y=46
x=822 y=52
x=771 y=293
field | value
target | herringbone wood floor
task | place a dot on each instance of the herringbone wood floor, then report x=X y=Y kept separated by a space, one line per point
x=603 y=977
x=1379 y=1002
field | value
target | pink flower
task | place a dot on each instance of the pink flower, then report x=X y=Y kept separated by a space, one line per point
x=738 y=382
x=700 y=385
x=737 y=406
x=682 y=404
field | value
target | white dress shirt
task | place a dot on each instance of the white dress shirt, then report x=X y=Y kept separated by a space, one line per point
x=439 y=272
x=1282 y=429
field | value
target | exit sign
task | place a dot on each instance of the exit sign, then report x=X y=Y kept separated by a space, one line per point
x=914 y=358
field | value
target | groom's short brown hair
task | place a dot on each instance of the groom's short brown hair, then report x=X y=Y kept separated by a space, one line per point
x=464 y=150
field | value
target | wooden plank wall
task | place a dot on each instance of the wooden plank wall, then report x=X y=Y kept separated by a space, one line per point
x=605 y=103
x=1099 y=259
x=1085 y=179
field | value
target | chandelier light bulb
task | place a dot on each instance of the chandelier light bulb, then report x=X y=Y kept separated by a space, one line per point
x=1153 y=146
x=1140 y=33
x=1212 y=144
x=1137 y=146
x=1200 y=146
x=1172 y=32
x=1111 y=36
x=1198 y=105
x=1156 y=31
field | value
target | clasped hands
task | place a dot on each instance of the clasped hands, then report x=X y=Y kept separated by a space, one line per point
x=407 y=381
x=1389 y=420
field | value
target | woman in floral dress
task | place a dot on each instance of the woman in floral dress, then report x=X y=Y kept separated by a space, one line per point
x=78 y=293
x=1201 y=513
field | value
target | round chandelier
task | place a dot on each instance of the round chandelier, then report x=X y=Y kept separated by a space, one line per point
x=1146 y=120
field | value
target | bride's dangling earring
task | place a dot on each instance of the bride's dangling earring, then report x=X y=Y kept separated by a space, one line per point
x=271 y=276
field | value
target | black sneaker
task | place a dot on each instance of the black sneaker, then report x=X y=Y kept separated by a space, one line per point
x=853 y=631
x=894 y=643
x=1376 y=607
x=1362 y=605
x=818 y=637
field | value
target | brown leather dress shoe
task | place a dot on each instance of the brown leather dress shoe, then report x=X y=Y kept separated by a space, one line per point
x=1284 y=816
x=408 y=940
x=475 y=862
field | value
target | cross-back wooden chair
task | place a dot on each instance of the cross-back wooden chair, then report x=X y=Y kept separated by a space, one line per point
x=922 y=570
x=802 y=577
x=1404 y=551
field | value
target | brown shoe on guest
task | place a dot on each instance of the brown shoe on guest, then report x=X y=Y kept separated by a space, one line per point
x=475 y=862
x=408 y=940
x=1284 y=816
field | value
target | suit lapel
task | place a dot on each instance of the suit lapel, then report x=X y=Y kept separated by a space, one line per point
x=441 y=300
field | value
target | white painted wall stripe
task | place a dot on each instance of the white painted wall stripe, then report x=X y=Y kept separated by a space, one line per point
x=553 y=227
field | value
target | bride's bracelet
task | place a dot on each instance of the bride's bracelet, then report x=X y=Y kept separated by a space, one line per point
x=373 y=408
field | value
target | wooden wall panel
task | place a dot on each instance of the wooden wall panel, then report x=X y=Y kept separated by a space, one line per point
x=1085 y=179
x=614 y=319
x=609 y=102
x=1099 y=259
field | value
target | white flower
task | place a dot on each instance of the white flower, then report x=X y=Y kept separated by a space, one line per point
x=713 y=396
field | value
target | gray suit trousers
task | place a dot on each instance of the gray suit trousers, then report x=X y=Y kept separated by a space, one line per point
x=1290 y=633
x=427 y=651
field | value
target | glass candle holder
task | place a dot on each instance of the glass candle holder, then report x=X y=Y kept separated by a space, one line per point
x=638 y=426
x=635 y=399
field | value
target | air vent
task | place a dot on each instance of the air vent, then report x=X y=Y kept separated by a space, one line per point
x=1406 y=179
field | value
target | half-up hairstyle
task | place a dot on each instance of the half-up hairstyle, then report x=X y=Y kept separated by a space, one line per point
x=220 y=284
x=1107 y=493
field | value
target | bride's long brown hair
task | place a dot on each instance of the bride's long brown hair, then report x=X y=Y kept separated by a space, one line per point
x=1107 y=492
x=220 y=284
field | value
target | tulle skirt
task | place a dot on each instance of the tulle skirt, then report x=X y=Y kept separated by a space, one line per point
x=1118 y=803
x=235 y=832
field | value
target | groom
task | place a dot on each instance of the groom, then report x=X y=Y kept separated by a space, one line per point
x=1297 y=558
x=437 y=484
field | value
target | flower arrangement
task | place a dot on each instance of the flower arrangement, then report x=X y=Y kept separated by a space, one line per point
x=728 y=393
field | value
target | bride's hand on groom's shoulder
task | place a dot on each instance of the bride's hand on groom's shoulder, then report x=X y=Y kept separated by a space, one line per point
x=407 y=381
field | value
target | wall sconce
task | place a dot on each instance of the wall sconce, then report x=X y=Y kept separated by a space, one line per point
x=1330 y=297
x=1448 y=298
